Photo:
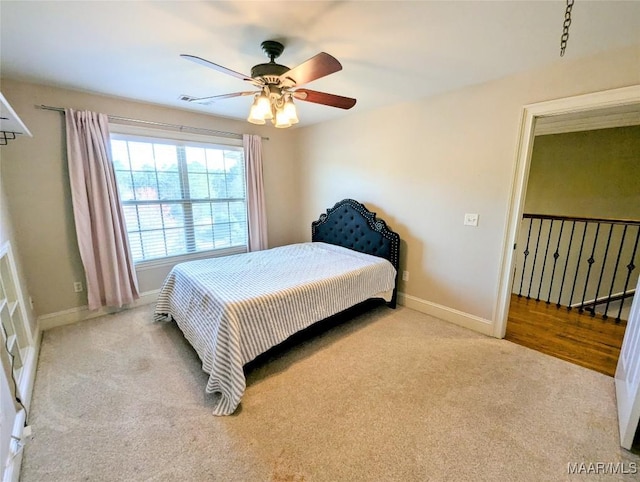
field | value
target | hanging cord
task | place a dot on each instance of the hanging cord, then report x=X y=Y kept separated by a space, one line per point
x=565 y=27
x=13 y=377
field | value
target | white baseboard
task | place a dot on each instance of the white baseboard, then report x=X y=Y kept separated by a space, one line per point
x=466 y=320
x=30 y=365
x=447 y=314
x=81 y=313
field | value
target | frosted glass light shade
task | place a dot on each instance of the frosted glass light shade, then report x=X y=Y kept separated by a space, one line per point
x=255 y=116
x=290 y=111
x=282 y=119
x=264 y=107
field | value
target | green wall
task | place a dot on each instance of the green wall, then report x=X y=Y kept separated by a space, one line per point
x=586 y=174
x=592 y=174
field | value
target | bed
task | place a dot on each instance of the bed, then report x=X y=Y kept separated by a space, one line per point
x=234 y=308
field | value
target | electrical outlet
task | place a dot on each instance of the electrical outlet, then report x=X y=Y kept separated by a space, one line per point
x=470 y=219
x=77 y=286
x=405 y=276
x=31 y=302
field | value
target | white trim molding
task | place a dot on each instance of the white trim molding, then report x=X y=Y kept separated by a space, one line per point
x=625 y=116
x=81 y=313
x=624 y=96
x=12 y=470
x=445 y=313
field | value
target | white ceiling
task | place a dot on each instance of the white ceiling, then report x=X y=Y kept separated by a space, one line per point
x=391 y=51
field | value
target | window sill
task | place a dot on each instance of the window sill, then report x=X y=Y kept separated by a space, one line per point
x=173 y=260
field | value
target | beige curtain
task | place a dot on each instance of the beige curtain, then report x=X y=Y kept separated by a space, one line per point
x=256 y=210
x=100 y=227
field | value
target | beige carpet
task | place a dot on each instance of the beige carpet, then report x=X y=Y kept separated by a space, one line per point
x=385 y=395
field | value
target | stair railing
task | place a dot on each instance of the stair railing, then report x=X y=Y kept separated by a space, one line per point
x=576 y=262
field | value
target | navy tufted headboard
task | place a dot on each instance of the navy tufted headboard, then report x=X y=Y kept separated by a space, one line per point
x=351 y=225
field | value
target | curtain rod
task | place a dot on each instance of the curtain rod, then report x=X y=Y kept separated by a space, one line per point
x=161 y=124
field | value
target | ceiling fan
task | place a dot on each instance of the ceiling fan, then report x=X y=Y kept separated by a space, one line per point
x=278 y=85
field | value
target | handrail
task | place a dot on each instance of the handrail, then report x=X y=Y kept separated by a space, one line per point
x=580 y=262
x=606 y=299
x=629 y=222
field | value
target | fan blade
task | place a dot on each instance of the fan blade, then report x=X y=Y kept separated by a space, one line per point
x=219 y=68
x=213 y=98
x=324 y=98
x=315 y=68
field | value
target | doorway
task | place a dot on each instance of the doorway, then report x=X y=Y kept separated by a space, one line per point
x=627 y=377
x=576 y=253
x=627 y=98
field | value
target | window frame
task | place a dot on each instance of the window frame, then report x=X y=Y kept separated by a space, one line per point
x=177 y=138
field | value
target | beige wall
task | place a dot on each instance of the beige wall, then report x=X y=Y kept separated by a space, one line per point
x=7 y=234
x=587 y=174
x=36 y=180
x=422 y=165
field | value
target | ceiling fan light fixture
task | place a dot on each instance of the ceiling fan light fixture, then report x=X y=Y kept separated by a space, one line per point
x=282 y=119
x=276 y=83
x=256 y=113
x=290 y=111
x=264 y=106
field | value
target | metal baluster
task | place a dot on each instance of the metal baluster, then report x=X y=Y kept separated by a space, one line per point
x=604 y=263
x=544 y=261
x=556 y=255
x=575 y=278
x=535 y=256
x=615 y=271
x=526 y=254
x=564 y=271
x=630 y=268
x=591 y=260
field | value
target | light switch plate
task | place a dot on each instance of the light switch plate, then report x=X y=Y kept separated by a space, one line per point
x=470 y=219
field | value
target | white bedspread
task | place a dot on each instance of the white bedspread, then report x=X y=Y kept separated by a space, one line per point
x=234 y=308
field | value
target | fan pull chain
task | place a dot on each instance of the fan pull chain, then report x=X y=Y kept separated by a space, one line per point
x=565 y=27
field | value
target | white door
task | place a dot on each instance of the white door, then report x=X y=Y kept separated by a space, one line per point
x=628 y=376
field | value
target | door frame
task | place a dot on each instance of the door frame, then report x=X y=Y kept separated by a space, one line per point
x=581 y=103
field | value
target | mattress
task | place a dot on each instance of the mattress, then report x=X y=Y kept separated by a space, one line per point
x=234 y=308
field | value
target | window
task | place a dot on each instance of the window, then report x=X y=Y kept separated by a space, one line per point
x=180 y=197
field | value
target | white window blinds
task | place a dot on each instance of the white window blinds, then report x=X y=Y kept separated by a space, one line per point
x=180 y=197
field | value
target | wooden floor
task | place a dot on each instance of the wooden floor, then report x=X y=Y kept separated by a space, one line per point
x=578 y=338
